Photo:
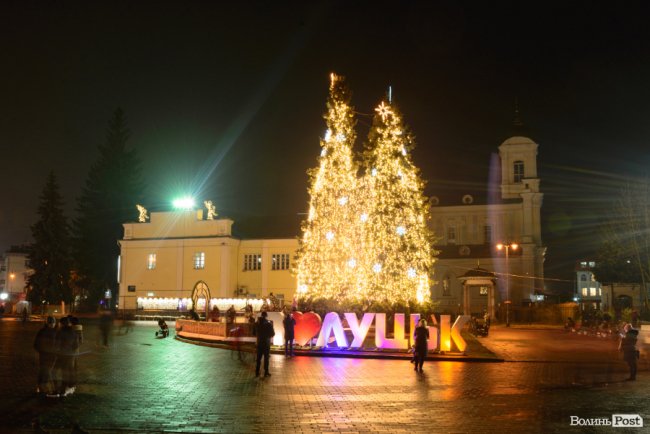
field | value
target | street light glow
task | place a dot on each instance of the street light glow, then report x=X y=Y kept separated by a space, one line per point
x=507 y=246
x=184 y=203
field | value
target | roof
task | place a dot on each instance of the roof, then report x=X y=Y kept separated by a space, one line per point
x=479 y=272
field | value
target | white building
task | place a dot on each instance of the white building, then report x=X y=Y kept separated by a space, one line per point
x=179 y=254
x=13 y=277
x=470 y=225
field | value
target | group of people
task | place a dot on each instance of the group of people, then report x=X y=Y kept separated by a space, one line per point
x=264 y=332
x=58 y=348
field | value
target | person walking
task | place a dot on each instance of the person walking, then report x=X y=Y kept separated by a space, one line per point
x=627 y=346
x=78 y=330
x=421 y=336
x=105 y=325
x=45 y=345
x=264 y=332
x=289 y=323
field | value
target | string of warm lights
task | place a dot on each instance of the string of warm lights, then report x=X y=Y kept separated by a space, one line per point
x=326 y=262
x=365 y=238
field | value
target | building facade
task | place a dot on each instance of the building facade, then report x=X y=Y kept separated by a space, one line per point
x=588 y=292
x=166 y=258
x=470 y=225
x=14 y=273
x=163 y=262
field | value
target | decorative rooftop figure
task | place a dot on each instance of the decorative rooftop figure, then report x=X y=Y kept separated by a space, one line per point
x=143 y=217
x=212 y=213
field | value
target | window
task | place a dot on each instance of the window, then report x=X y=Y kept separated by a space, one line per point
x=592 y=291
x=280 y=261
x=451 y=235
x=487 y=234
x=583 y=278
x=483 y=290
x=252 y=262
x=446 y=290
x=151 y=261
x=199 y=260
x=518 y=171
x=3 y=268
x=585 y=292
x=592 y=264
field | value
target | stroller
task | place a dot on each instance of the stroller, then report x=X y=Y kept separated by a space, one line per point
x=481 y=328
x=163 y=332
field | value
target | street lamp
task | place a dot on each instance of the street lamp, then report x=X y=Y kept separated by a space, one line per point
x=507 y=246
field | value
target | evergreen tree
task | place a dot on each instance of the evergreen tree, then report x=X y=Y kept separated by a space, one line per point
x=113 y=187
x=49 y=254
x=326 y=262
x=398 y=242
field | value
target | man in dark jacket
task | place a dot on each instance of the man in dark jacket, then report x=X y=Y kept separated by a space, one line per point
x=45 y=344
x=289 y=331
x=264 y=332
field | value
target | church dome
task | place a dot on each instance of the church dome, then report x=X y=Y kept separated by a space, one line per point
x=519 y=140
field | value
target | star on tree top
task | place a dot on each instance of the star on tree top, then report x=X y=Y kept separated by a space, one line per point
x=384 y=111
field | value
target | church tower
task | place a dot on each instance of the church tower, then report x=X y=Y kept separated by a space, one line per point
x=520 y=183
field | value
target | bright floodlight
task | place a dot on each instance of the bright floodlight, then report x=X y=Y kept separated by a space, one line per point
x=4 y=296
x=184 y=203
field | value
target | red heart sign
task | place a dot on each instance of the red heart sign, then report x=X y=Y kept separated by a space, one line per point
x=307 y=326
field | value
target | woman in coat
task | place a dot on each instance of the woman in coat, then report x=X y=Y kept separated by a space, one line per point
x=627 y=346
x=421 y=337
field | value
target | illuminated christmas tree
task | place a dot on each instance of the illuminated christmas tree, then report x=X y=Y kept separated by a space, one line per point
x=398 y=253
x=326 y=263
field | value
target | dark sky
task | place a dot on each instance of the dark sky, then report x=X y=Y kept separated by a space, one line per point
x=225 y=99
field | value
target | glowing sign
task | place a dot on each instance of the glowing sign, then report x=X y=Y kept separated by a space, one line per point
x=441 y=335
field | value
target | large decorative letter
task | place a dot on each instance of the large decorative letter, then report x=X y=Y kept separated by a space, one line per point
x=432 y=343
x=455 y=332
x=278 y=327
x=332 y=323
x=359 y=331
x=445 y=339
x=399 y=342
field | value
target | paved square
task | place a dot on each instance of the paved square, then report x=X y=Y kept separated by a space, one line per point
x=144 y=384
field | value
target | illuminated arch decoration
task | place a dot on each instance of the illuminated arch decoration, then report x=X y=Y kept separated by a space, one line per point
x=201 y=290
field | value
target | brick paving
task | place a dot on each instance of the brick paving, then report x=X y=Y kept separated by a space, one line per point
x=141 y=384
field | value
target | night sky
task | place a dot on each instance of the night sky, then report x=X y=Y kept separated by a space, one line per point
x=225 y=99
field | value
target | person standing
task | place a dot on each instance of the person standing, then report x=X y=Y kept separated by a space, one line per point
x=289 y=323
x=421 y=337
x=67 y=346
x=627 y=346
x=214 y=315
x=231 y=313
x=105 y=325
x=264 y=332
x=45 y=345
x=79 y=336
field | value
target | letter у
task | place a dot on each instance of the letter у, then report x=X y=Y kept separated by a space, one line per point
x=359 y=331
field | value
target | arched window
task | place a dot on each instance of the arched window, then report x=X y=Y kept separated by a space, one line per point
x=518 y=171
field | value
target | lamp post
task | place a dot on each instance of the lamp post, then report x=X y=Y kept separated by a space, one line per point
x=507 y=246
